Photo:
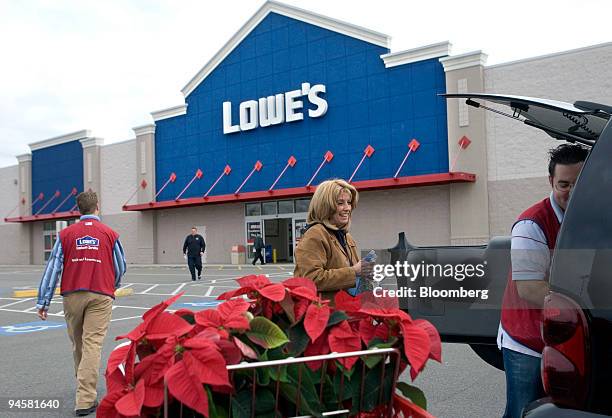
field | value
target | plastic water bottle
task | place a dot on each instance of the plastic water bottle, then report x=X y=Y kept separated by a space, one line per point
x=363 y=284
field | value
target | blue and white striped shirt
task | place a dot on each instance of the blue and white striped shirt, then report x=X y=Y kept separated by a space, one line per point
x=55 y=265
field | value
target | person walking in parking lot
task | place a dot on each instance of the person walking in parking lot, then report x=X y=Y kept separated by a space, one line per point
x=90 y=260
x=193 y=250
x=533 y=239
x=258 y=245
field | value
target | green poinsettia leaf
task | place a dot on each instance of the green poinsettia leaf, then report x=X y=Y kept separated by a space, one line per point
x=266 y=333
x=336 y=317
x=298 y=340
x=413 y=393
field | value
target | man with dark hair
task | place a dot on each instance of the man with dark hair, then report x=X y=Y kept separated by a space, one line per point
x=90 y=260
x=533 y=239
x=193 y=249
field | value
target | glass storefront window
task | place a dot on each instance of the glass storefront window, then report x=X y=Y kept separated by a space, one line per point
x=285 y=206
x=301 y=205
x=268 y=208
x=253 y=209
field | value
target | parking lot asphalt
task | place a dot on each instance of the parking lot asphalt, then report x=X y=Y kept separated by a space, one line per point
x=36 y=360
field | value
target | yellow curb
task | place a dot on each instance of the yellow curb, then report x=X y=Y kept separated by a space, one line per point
x=32 y=293
x=124 y=291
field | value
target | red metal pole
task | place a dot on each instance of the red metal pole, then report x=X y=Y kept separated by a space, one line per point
x=412 y=146
x=56 y=194
x=198 y=175
x=72 y=193
x=258 y=166
x=226 y=172
x=290 y=163
x=326 y=158
x=171 y=179
x=367 y=152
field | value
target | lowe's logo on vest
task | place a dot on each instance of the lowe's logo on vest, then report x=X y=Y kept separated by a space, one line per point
x=87 y=243
x=274 y=110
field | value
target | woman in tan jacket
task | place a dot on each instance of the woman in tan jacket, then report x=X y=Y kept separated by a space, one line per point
x=327 y=253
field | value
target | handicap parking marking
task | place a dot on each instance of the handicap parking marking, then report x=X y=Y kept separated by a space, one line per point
x=28 y=327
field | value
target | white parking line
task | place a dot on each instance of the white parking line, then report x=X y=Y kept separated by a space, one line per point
x=210 y=289
x=15 y=303
x=178 y=289
x=150 y=288
x=32 y=309
x=124 y=319
x=26 y=311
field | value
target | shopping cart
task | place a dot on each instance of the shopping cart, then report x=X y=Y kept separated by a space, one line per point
x=390 y=362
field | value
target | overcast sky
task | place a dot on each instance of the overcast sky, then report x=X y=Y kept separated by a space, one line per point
x=105 y=65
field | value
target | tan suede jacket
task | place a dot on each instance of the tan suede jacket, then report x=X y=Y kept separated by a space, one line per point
x=320 y=257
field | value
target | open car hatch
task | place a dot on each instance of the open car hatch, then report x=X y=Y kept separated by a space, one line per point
x=580 y=122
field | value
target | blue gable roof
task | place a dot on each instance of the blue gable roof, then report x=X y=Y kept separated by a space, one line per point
x=368 y=104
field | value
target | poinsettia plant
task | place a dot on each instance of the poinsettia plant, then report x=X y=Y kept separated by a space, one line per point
x=189 y=353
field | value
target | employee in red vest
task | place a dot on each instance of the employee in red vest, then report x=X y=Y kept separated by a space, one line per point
x=533 y=239
x=93 y=262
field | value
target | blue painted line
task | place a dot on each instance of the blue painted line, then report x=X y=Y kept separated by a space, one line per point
x=26 y=328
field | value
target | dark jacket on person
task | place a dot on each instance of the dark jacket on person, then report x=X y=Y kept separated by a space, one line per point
x=322 y=257
x=259 y=243
x=194 y=245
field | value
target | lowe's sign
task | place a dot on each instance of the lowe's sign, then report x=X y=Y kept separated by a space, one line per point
x=277 y=109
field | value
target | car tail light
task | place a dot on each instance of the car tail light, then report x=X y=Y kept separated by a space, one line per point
x=565 y=359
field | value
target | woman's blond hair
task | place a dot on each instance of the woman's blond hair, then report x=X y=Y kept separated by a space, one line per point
x=323 y=203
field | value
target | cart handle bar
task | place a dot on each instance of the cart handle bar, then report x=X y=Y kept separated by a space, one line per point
x=295 y=360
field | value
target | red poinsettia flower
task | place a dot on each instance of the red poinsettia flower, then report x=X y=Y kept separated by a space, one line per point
x=295 y=282
x=316 y=317
x=149 y=316
x=347 y=303
x=417 y=346
x=254 y=285
x=343 y=339
x=202 y=363
x=229 y=315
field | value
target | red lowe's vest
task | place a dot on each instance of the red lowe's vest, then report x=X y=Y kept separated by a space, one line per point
x=521 y=319
x=88 y=258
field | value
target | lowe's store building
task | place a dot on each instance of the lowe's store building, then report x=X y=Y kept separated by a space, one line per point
x=290 y=100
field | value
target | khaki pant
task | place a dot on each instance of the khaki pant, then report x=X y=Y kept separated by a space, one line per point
x=87 y=317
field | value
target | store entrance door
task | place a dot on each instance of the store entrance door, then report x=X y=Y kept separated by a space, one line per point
x=279 y=233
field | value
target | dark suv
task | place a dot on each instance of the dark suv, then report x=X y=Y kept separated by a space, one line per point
x=577 y=314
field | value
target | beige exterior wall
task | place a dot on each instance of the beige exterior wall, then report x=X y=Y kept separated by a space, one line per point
x=516 y=153
x=224 y=228
x=9 y=191
x=509 y=198
x=118 y=175
x=519 y=151
x=15 y=237
x=422 y=213
x=469 y=224
x=36 y=243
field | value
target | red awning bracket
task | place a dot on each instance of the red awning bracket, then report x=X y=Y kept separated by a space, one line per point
x=226 y=171
x=197 y=176
x=73 y=192
x=326 y=158
x=143 y=184
x=463 y=143
x=367 y=152
x=257 y=167
x=412 y=147
x=290 y=163
x=171 y=179
x=55 y=195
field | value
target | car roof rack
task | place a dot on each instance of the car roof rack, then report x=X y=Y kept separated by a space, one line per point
x=581 y=122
